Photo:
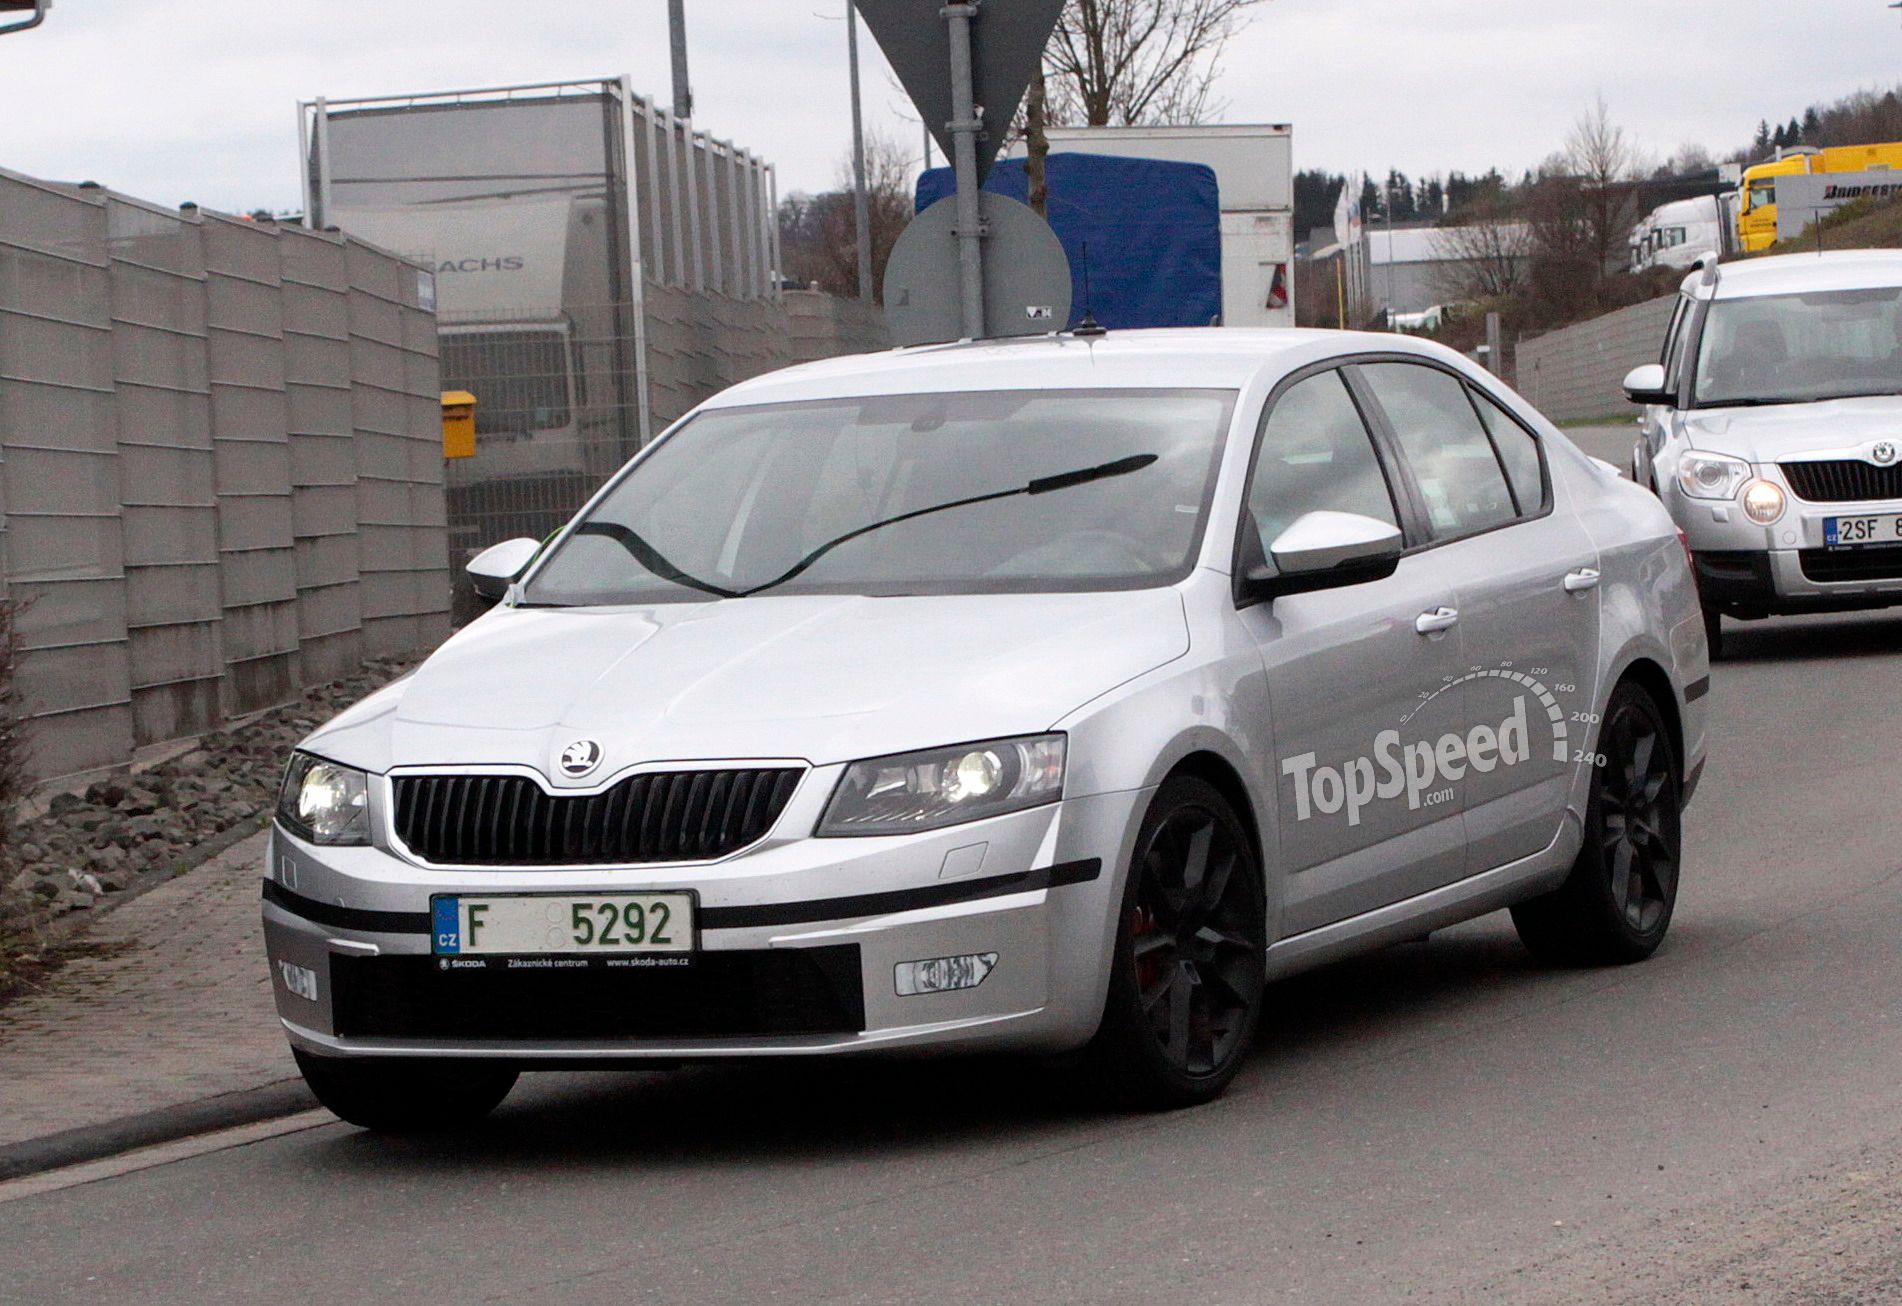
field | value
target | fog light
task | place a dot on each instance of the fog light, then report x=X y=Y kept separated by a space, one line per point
x=300 y=980
x=942 y=974
x=1763 y=502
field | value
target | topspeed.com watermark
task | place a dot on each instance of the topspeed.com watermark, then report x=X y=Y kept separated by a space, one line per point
x=1420 y=769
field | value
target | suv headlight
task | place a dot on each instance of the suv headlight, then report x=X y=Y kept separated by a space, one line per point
x=323 y=802
x=1711 y=475
x=909 y=792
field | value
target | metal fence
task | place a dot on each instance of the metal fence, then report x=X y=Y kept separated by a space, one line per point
x=554 y=399
x=220 y=465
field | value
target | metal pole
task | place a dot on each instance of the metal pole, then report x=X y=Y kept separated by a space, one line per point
x=861 y=204
x=320 y=123
x=964 y=127
x=677 y=34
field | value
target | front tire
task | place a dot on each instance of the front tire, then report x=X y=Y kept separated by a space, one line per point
x=1186 y=982
x=1714 y=632
x=1617 y=903
x=406 y=1095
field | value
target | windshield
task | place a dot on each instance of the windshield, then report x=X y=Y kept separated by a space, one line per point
x=1787 y=349
x=964 y=493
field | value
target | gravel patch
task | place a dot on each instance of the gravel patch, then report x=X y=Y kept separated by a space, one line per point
x=128 y=833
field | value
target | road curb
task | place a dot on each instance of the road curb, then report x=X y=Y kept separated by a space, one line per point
x=162 y=1125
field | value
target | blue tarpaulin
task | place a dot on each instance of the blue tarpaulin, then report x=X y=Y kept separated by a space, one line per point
x=1152 y=230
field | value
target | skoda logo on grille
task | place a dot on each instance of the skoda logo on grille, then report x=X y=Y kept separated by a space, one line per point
x=580 y=758
x=1883 y=454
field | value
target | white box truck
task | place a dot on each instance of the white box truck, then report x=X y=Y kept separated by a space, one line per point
x=1254 y=175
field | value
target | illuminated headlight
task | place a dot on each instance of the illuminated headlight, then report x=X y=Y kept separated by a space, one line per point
x=324 y=802
x=945 y=786
x=1711 y=475
x=1762 y=502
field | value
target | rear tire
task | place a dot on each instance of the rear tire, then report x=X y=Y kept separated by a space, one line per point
x=1616 y=905
x=1190 y=967
x=406 y=1095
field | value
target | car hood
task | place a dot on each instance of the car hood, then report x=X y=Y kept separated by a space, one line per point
x=1765 y=435
x=821 y=678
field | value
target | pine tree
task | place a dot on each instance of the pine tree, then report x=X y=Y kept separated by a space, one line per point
x=1760 y=146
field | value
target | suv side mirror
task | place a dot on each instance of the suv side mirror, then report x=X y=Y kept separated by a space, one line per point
x=496 y=568
x=1325 y=550
x=1645 y=385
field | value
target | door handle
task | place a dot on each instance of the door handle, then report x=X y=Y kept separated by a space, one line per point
x=1439 y=619
x=1577 y=582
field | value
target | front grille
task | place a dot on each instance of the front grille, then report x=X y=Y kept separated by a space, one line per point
x=1877 y=562
x=721 y=995
x=1843 y=480
x=665 y=816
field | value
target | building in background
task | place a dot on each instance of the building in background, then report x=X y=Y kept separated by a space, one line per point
x=1414 y=269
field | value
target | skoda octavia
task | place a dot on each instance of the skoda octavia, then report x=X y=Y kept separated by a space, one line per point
x=1044 y=695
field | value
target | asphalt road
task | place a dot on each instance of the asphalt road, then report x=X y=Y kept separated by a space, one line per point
x=1441 y=1121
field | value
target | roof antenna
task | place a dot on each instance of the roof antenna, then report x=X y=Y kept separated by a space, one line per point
x=1088 y=328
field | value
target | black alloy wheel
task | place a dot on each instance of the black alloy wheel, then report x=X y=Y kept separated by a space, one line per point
x=1186 y=983
x=1616 y=905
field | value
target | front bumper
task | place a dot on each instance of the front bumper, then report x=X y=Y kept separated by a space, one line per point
x=799 y=942
x=1748 y=570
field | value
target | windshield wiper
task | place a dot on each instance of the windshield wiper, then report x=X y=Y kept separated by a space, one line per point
x=1041 y=485
x=1753 y=402
x=652 y=558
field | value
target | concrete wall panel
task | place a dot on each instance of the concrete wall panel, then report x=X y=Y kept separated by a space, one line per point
x=185 y=402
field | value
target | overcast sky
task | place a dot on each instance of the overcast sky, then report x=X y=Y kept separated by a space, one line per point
x=195 y=101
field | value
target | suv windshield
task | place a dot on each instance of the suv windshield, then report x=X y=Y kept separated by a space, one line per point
x=1784 y=349
x=961 y=493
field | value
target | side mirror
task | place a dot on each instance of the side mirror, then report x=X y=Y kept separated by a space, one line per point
x=1325 y=550
x=1645 y=385
x=496 y=568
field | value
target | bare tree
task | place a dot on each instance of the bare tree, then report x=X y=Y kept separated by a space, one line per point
x=1138 y=61
x=1604 y=166
x=819 y=233
x=1487 y=256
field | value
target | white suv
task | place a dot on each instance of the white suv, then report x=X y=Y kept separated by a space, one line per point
x=1773 y=432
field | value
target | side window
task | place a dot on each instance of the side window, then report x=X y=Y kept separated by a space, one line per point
x=1518 y=451
x=1315 y=455
x=1459 y=475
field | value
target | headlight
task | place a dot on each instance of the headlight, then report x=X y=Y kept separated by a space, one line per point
x=324 y=802
x=1763 y=502
x=1711 y=475
x=945 y=786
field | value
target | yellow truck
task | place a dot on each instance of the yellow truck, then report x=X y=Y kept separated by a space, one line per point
x=1757 y=211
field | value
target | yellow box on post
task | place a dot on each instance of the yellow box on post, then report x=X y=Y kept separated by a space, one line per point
x=458 y=424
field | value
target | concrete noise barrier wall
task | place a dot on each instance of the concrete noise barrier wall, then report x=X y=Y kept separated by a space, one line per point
x=221 y=469
x=1577 y=373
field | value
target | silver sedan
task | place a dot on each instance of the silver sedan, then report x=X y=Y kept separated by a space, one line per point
x=1046 y=695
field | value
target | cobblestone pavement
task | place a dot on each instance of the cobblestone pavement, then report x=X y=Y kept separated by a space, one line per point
x=177 y=1007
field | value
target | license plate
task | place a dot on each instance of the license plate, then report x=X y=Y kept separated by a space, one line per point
x=551 y=925
x=1852 y=532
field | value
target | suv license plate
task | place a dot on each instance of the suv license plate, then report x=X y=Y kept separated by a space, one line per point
x=1853 y=532
x=546 y=925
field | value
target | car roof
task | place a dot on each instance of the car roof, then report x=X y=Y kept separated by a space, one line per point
x=1789 y=274
x=1225 y=358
